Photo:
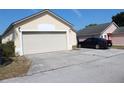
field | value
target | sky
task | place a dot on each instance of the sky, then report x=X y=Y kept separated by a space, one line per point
x=78 y=17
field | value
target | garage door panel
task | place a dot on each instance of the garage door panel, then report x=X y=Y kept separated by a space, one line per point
x=43 y=42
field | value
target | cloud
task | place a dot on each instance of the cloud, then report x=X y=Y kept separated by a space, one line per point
x=34 y=10
x=77 y=12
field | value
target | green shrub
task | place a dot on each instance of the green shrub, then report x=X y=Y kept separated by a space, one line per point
x=8 y=49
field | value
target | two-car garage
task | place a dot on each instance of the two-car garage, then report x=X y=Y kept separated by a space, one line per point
x=39 y=33
x=39 y=42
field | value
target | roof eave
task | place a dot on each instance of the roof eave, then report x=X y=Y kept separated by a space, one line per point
x=109 y=26
x=36 y=14
x=88 y=34
x=122 y=33
x=9 y=27
x=115 y=24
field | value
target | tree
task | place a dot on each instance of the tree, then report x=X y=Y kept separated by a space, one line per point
x=90 y=25
x=119 y=19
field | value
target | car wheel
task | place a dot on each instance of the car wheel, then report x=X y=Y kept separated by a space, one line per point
x=109 y=44
x=97 y=47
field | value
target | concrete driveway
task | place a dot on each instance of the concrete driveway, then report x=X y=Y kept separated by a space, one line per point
x=84 y=65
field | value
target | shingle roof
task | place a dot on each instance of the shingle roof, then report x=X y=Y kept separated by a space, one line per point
x=93 y=29
x=119 y=30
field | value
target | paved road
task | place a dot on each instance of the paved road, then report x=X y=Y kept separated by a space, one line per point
x=77 y=66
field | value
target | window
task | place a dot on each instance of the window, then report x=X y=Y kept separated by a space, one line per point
x=89 y=40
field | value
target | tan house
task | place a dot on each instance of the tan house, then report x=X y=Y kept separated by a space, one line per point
x=39 y=33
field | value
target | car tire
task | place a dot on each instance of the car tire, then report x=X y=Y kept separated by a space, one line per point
x=109 y=44
x=97 y=46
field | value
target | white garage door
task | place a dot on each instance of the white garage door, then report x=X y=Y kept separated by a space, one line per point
x=39 y=42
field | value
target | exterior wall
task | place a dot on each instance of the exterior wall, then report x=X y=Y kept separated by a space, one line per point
x=72 y=38
x=38 y=23
x=110 y=29
x=8 y=37
x=43 y=23
x=18 y=42
x=118 y=40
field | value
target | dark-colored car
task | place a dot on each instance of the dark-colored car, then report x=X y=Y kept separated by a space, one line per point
x=97 y=43
x=109 y=42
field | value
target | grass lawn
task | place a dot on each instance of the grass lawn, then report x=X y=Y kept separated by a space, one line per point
x=18 y=67
x=118 y=47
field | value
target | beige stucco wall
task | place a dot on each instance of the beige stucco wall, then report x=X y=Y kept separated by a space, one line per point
x=110 y=29
x=73 y=38
x=17 y=41
x=34 y=25
x=8 y=37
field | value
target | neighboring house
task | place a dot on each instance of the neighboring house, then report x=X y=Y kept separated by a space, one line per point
x=101 y=30
x=118 y=37
x=39 y=33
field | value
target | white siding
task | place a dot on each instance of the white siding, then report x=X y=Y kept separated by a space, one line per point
x=110 y=29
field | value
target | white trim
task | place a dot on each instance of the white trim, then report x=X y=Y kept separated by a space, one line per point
x=115 y=24
x=106 y=28
x=109 y=26
x=26 y=30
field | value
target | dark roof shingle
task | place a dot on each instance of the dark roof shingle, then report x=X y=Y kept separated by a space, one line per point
x=93 y=29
